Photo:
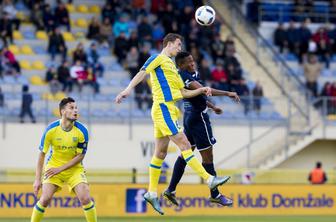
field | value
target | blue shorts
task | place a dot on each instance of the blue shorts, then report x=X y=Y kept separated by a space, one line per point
x=197 y=128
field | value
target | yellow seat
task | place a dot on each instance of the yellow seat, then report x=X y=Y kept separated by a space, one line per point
x=56 y=112
x=38 y=65
x=70 y=8
x=37 y=81
x=95 y=9
x=82 y=9
x=20 y=15
x=27 y=50
x=17 y=35
x=79 y=35
x=59 y=96
x=82 y=23
x=25 y=64
x=42 y=35
x=331 y=117
x=68 y=36
x=14 y=49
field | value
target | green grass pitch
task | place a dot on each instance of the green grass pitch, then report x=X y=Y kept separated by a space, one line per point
x=196 y=219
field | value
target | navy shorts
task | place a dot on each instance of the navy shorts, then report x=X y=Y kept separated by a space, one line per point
x=197 y=128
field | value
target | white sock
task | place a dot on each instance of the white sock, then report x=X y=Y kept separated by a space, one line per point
x=210 y=179
x=152 y=194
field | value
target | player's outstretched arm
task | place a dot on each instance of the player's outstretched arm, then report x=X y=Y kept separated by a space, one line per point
x=53 y=171
x=215 y=92
x=216 y=109
x=192 y=93
x=38 y=173
x=134 y=82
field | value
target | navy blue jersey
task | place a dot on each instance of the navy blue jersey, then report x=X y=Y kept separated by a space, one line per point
x=195 y=104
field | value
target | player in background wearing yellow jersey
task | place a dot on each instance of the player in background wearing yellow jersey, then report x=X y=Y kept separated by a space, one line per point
x=167 y=88
x=68 y=141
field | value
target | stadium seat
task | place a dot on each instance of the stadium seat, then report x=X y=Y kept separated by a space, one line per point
x=79 y=35
x=332 y=117
x=37 y=81
x=56 y=112
x=95 y=9
x=14 y=49
x=59 y=96
x=42 y=35
x=25 y=64
x=68 y=36
x=82 y=9
x=17 y=35
x=70 y=8
x=82 y=23
x=47 y=96
x=38 y=65
x=27 y=50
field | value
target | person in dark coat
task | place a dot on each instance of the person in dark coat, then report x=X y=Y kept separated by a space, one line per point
x=27 y=101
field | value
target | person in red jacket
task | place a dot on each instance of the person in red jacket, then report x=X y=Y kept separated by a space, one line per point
x=317 y=175
x=11 y=60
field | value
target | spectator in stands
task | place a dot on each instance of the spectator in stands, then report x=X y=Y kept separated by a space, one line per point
x=6 y=30
x=280 y=37
x=121 y=26
x=121 y=47
x=63 y=73
x=52 y=79
x=57 y=44
x=235 y=76
x=193 y=35
x=26 y=106
x=157 y=34
x=219 y=77
x=143 y=95
x=131 y=62
x=305 y=35
x=8 y=8
x=105 y=33
x=92 y=79
x=323 y=48
x=312 y=70
x=93 y=60
x=204 y=71
x=217 y=48
x=196 y=54
x=143 y=55
x=62 y=16
x=108 y=12
x=48 y=18
x=244 y=93
x=94 y=29
x=253 y=11
x=36 y=16
x=79 y=54
x=133 y=41
x=10 y=60
x=257 y=96
x=2 y=99
x=318 y=175
x=293 y=38
x=144 y=30
x=333 y=98
x=325 y=95
x=78 y=75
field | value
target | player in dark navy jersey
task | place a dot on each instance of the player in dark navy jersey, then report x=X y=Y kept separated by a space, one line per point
x=197 y=127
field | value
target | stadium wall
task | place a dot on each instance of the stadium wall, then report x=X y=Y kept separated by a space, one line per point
x=111 y=148
x=320 y=150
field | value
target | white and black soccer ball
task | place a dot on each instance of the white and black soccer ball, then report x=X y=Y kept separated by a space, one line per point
x=205 y=15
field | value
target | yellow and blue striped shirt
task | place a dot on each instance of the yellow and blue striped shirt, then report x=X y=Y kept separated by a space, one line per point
x=64 y=145
x=165 y=80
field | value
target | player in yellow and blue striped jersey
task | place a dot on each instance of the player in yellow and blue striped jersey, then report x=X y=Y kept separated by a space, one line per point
x=66 y=141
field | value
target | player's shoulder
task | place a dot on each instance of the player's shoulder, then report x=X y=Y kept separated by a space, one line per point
x=52 y=125
x=82 y=128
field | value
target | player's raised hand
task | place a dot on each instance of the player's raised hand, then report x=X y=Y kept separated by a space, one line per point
x=52 y=172
x=124 y=94
x=37 y=186
x=217 y=110
x=207 y=91
x=234 y=96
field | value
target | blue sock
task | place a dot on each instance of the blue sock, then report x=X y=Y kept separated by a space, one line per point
x=209 y=167
x=178 y=171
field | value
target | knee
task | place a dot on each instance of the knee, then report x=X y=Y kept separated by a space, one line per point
x=84 y=199
x=45 y=200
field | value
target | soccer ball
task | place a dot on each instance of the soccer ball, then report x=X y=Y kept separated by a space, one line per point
x=205 y=15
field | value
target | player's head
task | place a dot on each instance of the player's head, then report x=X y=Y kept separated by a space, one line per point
x=172 y=43
x=185 y=61
x=68 y=109
x=318 y=165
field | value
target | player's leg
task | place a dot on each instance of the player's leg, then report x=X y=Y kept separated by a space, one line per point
x=83 y=193
x=207 y=162
x=48 y=191
x=161 y=147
